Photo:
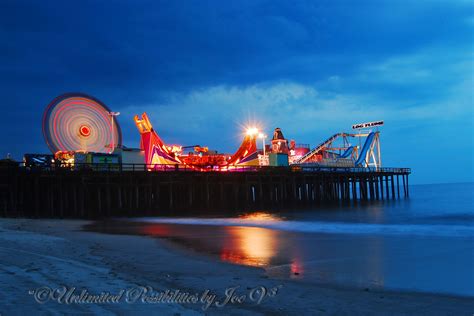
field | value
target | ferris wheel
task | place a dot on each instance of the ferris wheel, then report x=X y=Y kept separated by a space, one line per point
x=78 y=122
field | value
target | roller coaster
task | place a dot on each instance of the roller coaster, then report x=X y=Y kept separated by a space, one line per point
x=367 y=155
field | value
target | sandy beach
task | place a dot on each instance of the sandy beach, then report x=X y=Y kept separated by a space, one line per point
x=57 y=255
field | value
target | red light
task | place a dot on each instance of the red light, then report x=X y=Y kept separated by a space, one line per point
x=84 y=130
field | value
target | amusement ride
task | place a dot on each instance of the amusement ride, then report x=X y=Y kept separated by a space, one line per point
x=79 y=128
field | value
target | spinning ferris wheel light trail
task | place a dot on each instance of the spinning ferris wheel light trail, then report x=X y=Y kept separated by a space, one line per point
x=78 y=122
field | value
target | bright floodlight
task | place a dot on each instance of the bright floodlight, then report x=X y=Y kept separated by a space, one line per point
x=261 y=135
x=252 y=131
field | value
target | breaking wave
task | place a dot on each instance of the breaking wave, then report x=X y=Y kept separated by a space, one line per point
x=327 y=227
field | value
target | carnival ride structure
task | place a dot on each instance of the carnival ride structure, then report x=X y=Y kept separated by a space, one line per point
x=76 y=122
x=80 y=129
x=158 y=154
x=338 y=150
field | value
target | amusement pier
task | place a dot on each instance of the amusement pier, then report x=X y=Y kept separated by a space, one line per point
x=90 y=173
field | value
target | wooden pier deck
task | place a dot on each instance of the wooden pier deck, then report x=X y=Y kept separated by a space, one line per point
x=65 y=193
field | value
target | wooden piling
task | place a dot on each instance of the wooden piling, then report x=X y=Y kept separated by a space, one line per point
x=88 y=194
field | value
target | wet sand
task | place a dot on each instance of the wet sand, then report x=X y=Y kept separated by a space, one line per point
x=426 y=263
x=38 y=253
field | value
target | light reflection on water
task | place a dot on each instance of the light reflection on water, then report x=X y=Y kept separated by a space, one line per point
x=282 y=254
x=389 y=261
x=261 y=216
x=423 y=244
x=250 y=246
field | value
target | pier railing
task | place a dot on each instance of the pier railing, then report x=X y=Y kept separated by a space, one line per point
x=127 y=167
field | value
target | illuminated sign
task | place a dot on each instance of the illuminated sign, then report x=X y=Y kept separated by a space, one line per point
x=366 y=125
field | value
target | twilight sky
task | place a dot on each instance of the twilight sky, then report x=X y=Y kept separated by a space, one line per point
x=203 y=69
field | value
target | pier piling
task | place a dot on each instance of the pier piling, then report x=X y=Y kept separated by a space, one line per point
x=91 y=194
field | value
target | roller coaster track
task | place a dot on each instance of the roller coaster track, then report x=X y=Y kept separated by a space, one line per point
x=320 y=146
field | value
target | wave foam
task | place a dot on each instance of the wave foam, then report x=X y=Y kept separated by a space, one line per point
x=327 y=227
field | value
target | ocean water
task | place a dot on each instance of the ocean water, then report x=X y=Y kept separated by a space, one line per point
x=424 y=243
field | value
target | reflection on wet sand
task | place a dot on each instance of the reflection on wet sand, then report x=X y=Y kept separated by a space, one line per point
x=325 y=258
x=372 y=259
x=249 y=245
x=252 y=246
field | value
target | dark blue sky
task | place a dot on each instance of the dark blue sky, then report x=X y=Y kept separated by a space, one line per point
x=202 y=69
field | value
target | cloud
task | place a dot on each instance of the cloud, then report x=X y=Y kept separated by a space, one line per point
x=336 y=102
x=206 y=68
x=309 y=113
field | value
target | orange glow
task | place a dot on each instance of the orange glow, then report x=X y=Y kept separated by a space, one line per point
x=199 y=149
x=260 y=216
x=252 y=246
x=175 y=148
